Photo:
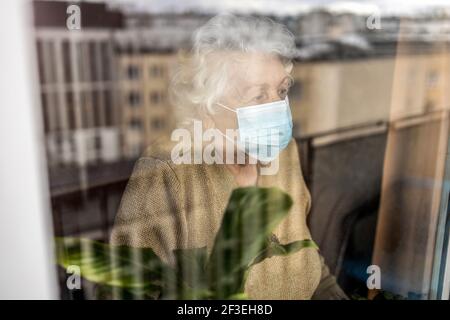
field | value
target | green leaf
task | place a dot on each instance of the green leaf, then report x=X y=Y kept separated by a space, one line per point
x=238 y=296
x=276 y=249
x=191 y=267
x=251 y=215
x=115 y=266
x=242 y=240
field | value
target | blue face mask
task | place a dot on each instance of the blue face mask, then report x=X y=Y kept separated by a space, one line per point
x=264 y=129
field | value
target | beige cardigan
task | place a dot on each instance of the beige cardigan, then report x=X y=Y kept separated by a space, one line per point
x=167 y=206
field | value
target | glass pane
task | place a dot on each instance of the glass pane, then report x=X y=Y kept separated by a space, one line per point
x=278 y=152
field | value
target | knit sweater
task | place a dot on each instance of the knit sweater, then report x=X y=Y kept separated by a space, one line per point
x=167 y=206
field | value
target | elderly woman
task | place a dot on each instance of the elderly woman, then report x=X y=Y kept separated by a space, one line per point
x=236 y=77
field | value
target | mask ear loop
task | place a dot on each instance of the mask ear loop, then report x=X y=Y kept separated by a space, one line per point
x=228 y=108
x=221 y=133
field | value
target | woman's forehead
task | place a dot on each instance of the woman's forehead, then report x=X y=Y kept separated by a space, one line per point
x=259 y=69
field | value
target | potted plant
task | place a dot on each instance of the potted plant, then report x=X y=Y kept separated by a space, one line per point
x=244 y=239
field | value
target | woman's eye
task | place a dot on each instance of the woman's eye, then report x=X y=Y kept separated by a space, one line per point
x=259 y=98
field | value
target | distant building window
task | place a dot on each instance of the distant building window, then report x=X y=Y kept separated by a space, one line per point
x=134 y=99
x=156 y=71
x=92 y=52
x=133 y=72
x=109 y=108
x=71 y=114
x=40 y=56
x=49 y=67
x=45 y=111
x=433 y=79
x=98 y=143
x=158 y=123
x=82 y=61
x=67 y=61
x=135 y=124
x=155 y=97
x=107 y=64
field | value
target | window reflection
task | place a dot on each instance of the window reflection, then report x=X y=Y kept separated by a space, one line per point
x=370 y=109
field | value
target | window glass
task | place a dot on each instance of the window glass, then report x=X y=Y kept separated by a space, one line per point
x=343 y=108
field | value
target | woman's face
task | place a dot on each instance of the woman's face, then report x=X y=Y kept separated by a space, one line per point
x=255 y=79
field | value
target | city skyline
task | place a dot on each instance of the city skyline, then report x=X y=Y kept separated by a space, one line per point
x=286 y=7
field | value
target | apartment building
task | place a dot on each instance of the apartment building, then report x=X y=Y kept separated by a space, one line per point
x=77 y=84
x=333 y=95
x=146 y=111
x=104 y=87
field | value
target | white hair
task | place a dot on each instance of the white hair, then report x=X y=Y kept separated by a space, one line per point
x=201 y=78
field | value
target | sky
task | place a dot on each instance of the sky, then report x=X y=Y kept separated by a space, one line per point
x=284 y=7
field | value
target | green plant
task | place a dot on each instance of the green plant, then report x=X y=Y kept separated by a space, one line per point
x=242 y=241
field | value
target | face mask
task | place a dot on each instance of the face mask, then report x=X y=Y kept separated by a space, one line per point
x=264 y=129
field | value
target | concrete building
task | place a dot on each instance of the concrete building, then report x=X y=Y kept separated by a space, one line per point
x=104 y=87
x=146 y=111
x=333 y=95
x=77 y=83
